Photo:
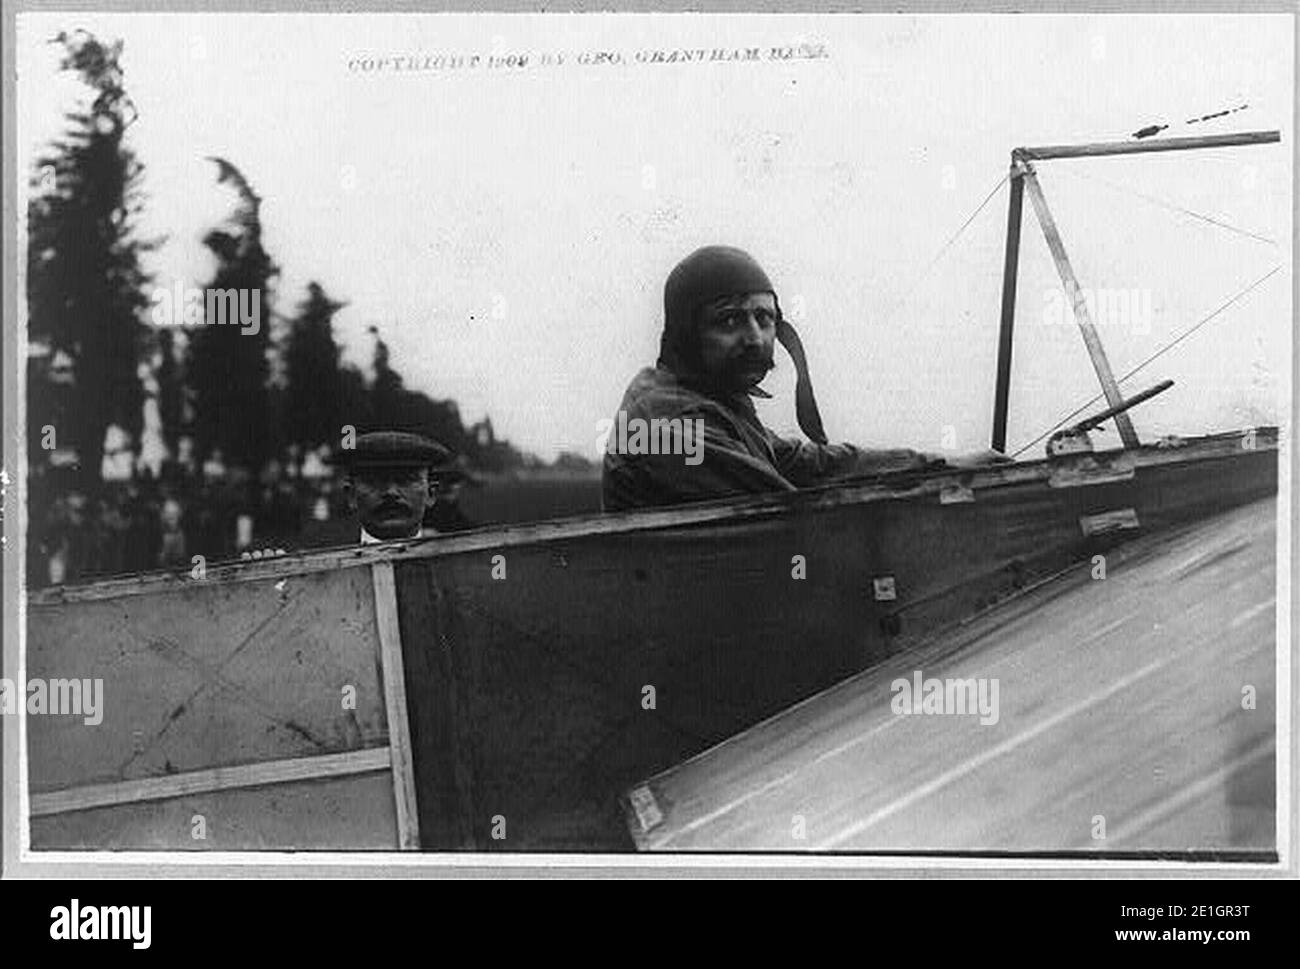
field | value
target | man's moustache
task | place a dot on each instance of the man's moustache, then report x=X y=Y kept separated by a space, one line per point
x=754 y=362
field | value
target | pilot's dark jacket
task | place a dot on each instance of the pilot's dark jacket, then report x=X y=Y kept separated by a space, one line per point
x=738 y=456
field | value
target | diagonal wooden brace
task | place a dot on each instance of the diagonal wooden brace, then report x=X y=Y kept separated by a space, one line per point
x=1091 y=339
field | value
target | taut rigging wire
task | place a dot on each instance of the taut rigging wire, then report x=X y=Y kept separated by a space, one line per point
x=1174 y=206
x=1160 y=352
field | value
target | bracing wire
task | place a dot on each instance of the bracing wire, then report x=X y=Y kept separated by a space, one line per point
x=1160 y=352
x=1173 y=206
x=901 y=300
x=1220 y=223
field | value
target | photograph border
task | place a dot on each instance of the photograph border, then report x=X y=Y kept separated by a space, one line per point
x=17 y=860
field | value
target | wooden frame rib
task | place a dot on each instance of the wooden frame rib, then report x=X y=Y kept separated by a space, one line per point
x=269 y=772
x=399 y=728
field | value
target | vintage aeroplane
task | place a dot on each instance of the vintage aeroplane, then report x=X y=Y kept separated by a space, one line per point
x=717 y=676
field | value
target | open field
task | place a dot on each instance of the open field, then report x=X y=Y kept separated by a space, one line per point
x=504 y=499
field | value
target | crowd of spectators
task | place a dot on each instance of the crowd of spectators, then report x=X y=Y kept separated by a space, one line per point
x=134 y=521
x=79 y=534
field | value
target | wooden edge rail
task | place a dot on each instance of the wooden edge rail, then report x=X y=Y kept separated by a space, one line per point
x=213 y=779
x=902 y=486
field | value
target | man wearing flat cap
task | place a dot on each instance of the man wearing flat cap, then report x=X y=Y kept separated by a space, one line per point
x=721 y=321
x=390 y=483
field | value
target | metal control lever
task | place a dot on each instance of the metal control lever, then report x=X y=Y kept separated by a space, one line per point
x=1075 y=440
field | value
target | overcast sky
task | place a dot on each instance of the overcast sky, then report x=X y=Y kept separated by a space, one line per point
x=509 y=230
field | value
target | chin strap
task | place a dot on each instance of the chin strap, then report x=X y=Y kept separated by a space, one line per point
x=805 y=404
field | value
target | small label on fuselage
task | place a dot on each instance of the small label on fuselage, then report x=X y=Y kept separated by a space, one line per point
x=1109 y=521
x=647 y=810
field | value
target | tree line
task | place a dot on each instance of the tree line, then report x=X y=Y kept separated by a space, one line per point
x=245 y=399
